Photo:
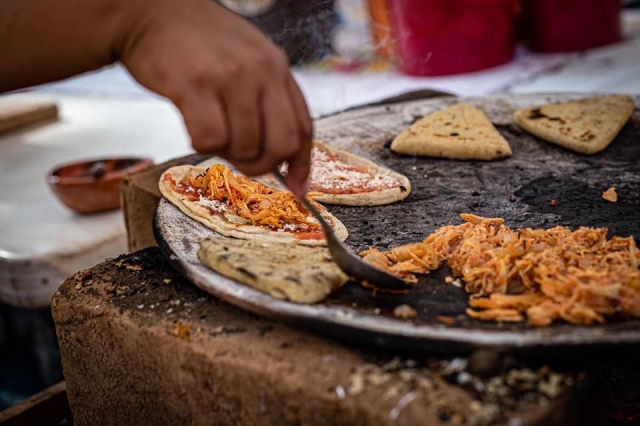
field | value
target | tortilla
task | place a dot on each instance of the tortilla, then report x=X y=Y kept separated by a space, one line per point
x=230 y=224
x=350 y=181
x=294 y=273
x=459 y=132
x=586 y=126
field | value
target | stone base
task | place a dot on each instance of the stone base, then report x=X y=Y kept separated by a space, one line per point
x=142 y=346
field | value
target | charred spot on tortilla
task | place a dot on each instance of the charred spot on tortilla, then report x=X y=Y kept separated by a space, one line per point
x=247 y=273
x=536 y=114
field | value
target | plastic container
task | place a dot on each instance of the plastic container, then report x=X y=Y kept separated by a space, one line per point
x=443 y=37
x=381 y=28
x=570 y=25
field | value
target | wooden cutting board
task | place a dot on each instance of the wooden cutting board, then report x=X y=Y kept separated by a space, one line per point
x=15 y=116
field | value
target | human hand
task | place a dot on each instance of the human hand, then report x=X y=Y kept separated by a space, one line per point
x=233 y=86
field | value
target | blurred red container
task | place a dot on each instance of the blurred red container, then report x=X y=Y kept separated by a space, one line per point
x=444 y=37
x=381 y=28
x=570 y=25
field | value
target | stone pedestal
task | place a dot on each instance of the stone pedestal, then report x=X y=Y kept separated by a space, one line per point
x=142 y=346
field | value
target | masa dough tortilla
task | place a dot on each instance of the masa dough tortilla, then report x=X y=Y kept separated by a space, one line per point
x=368 y=197
x=284 y=271
x=372 y=198
x=460 y=132
x=586 y=126
x=230 y=224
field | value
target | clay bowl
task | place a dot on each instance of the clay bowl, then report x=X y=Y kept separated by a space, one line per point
x=93 y=186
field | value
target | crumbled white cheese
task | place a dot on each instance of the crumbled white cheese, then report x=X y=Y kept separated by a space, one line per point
x=215 y=205
x=188 y=188
x=294 y=227
x=335 y=174
x=290 y=227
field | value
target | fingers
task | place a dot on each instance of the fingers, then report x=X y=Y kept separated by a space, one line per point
x=301 y=110
x=279 y=130
x=299 y=168
x=232 y=85
x=252 y=113
x=205 y=119
x=244 y=120
x=286 y=130
x=300 y=163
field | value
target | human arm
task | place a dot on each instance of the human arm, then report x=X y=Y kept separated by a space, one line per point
x=232 y=86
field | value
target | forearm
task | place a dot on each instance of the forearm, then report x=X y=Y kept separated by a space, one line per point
x=48 y=40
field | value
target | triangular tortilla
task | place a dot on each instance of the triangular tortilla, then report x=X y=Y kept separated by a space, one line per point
x=461 y=132
x=586 y=126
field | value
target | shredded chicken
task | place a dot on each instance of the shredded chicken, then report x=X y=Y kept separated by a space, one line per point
x=252 y=200
x=542 y=275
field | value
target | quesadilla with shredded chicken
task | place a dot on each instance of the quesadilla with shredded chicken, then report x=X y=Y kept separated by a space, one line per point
x=236 y=206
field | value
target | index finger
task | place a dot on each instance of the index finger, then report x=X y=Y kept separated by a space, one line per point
x=300 y=162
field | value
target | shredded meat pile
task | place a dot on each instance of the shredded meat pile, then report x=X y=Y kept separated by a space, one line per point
x=251 y=200
x=543 y=274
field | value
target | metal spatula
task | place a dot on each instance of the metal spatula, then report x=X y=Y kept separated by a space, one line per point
x=350 y=264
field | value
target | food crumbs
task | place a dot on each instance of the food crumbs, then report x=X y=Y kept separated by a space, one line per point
x=404 y=312
x=167 y=280
x=133 y=267
x=553 y=203
x=446 y=320
x=182 y=331
x=448 y=279
x=610 y=195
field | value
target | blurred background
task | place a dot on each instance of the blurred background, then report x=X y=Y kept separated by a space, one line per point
x=345 y=53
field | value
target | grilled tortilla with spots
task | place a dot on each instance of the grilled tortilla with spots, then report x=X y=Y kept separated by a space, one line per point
x=284 y=271
x=340 y=177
